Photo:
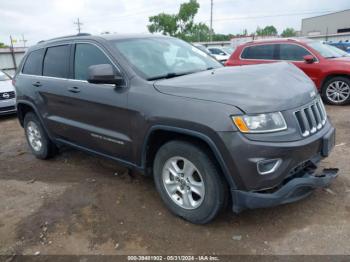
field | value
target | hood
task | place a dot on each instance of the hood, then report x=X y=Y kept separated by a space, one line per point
x=345 y=59
x=6 y=86
x=253 y=89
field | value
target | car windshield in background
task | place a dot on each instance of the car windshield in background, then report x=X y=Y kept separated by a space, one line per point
x=327 y=51
x=160 y=57
x=228 y=50
x=3 y=77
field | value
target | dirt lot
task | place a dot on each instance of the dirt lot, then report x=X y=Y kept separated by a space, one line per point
x=80 y=204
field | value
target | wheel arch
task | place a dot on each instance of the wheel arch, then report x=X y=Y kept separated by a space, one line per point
x=333 y=75
x=23 y=107
x=159 y=135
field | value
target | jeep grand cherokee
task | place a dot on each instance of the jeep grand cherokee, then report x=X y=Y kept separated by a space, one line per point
x=164 y=108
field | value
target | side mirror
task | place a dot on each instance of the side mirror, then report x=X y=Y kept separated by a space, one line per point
x=104 y=74
x=309 y=59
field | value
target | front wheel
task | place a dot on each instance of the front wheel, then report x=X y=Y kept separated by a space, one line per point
x=336 y=91
x=189 y=182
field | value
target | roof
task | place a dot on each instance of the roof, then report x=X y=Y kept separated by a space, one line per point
x=104 y=36
x=333 y=13
x=273 y=40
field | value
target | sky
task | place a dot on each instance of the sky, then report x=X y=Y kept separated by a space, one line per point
x=43 y=19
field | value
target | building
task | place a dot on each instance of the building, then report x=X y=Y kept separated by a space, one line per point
x=330 y=27
x=9 y=60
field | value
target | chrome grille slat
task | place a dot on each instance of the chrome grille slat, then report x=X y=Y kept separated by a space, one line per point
x=311 y=118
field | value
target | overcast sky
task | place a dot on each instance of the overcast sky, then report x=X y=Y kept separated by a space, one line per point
x=43 y=19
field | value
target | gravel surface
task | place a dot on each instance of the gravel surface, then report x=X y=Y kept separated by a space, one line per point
x=81 y=204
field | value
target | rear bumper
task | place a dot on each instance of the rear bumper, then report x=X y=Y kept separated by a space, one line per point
x=294 y=190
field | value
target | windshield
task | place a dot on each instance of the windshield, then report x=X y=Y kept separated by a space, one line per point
x=228 y=50
x=160 y=57
x=327 y=51
x=3 y=77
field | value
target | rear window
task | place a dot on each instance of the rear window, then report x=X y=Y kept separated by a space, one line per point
x=259 y=52
x=33 y=64
x=292 y=52
x=56 y=61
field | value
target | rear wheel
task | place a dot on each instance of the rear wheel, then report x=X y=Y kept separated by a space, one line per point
x=336 y=91
x=188 y=181
x=40 y=144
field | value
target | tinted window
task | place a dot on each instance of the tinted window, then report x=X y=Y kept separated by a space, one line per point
x=33 y=64
x=215 y=51
x=259 y=52
x=292 y=52
x=87 y=55
x=56 y=61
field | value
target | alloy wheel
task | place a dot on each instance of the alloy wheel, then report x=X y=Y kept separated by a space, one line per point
x=183 y=183
x=338 y=92
x=34 y=136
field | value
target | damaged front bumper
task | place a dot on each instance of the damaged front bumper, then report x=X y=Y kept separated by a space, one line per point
x=293 y=190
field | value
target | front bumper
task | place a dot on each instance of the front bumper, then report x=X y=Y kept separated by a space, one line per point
x=294 y=190
x=294 y=179
x=8 y=106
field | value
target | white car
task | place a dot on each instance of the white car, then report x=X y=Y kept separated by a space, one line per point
x=7 y=95
x=222 y=54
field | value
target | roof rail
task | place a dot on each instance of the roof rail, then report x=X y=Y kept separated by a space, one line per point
x=62 y=37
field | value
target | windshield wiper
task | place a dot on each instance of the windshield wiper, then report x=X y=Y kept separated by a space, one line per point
x=173 y=74
x=170 y=75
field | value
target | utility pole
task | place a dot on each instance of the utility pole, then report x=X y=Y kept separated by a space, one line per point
x=79 y=24
x=211 y=20
x=24 y=41
x=13 y=53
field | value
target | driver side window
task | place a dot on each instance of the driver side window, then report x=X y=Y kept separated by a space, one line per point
x=87 y=55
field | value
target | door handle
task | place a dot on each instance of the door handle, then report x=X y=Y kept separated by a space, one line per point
x=74 y=89
x=37 y=84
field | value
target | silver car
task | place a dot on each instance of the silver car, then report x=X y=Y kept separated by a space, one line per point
x=7 y=95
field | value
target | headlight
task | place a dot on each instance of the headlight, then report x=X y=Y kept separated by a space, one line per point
x=262 y=123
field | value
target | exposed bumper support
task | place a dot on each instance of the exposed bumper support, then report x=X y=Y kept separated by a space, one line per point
x=294 y=190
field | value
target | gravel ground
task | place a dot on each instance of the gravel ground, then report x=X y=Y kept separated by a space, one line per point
x=81 y=204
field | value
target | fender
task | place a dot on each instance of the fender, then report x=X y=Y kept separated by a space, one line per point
x=36 y=111
x=196 y=134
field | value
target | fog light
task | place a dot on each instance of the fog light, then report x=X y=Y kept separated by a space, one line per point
x=268 y=166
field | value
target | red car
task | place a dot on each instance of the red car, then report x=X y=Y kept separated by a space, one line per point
x=327 y=66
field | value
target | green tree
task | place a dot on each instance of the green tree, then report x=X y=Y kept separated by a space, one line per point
x=164 y=23
x=289 y=32
x=269 y=30
x=200 y=33
x=2 y=45
x=181 y=24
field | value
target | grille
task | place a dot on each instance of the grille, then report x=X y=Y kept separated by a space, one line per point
x=10 y=95
x=311 y=118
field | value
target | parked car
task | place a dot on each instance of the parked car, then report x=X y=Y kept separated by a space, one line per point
x=202 y=48
x=327 y=66
x=221 y=54
x=157 y=105
x=7 y=95
x=345 y=46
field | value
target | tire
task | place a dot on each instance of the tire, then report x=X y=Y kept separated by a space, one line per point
x=206 y=189
x=40 y=144
x=336 y=91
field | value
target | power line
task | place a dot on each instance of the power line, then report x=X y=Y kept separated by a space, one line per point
x=269 y=16
x=79 y=24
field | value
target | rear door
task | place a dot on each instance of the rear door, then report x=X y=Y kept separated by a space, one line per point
x=258 y=54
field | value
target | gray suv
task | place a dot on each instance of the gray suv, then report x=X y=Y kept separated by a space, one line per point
x=249 y=137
